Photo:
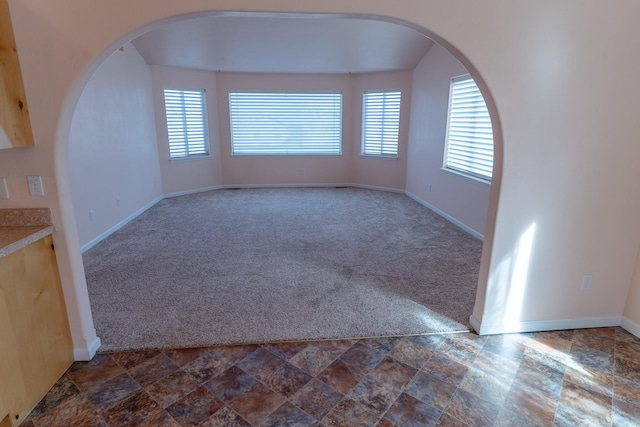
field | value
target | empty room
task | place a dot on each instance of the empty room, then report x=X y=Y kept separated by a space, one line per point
x=321 y=214
x=294 y=202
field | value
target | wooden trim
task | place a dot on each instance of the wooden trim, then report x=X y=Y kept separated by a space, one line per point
x=14 y=114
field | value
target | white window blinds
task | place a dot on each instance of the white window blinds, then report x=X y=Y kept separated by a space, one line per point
x=469 y=142
x=186 y=122
x=380 y=123
x=285 y=123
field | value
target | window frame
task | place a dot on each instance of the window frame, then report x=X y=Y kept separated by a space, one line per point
x=382 y=122
x=283 y=149
x=205 y=151
x=477 y=145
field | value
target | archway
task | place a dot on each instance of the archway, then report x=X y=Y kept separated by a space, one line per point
x=65 y=123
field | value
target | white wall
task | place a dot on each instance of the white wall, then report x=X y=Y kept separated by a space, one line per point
x=632 y=307
x=369 y=170
x=113 y=152
x=464 y=199
x=252 y=170
x=562 y=76
x=187 y=174
x=568 y=205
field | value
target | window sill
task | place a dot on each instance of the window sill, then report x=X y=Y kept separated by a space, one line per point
x=190 y=158
x=374 y=156
x=472 y=179
x=287 y=155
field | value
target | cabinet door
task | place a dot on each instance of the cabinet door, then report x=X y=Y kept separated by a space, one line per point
x=39 y=331
x=15 y=125
x=11 y=385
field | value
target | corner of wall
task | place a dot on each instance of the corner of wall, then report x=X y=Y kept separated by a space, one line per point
x=85 y=354
x=630 y=326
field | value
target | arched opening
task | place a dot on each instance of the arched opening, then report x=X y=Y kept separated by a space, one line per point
x=62 y=159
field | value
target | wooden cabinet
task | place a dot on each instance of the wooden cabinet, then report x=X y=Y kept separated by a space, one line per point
x=35 y=341
x=15 y=125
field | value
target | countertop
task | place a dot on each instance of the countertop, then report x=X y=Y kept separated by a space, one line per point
x=21 y=227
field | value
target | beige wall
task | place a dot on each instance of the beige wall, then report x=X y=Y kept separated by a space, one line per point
x=347 y=168
x=561 y=75
x=462 y=198
x=381 y=172
x=185 y=175
x=112 y=131
x=266 y=170
x=113 y=155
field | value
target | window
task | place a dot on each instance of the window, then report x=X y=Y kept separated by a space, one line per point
x=186 y=123
x=380 y=122
x=285 y=123
x=469 y=141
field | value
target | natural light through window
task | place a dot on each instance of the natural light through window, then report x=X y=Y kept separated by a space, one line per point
x=285 y=123
x=186 y=123
x=469 y=140
x=380 y=123
x=519 y=276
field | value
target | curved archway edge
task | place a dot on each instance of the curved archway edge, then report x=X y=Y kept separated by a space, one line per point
x=85 y=340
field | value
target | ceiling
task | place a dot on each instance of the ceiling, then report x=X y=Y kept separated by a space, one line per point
x=284 y=45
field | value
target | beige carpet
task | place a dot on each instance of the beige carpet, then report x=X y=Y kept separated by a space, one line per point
x=237 y=266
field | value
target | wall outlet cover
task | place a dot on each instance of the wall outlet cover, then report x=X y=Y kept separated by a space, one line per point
x=35 y=185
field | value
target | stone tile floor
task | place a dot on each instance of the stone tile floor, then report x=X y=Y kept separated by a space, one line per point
x=564 y=378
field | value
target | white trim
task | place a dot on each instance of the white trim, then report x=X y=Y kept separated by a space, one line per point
x=446 y=216
x=630 y=326
x=544 y=325
x=379 y=156
x=375 y=187
x=198 y=190
x=469 y=178
x=320 y=185
x=475 y=323
x=119 y=225
x=86 y=354
x=317 y=185
x=191 y=158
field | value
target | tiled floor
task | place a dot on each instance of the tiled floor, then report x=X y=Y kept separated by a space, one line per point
x=564 y=378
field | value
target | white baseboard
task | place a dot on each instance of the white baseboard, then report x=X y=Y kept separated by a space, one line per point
x=630 y=326
x=314 y=185
x=119 y=225
x=446 y=216
x=317 y=185
x=375 y=187
x=199 y=190
x=86 y=354
x=475 y=323
x=543 y=325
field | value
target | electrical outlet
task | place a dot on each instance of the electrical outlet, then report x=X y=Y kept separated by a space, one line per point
x=117 y=202
x=586 y=282
x=92 y=215
x=35 y=185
